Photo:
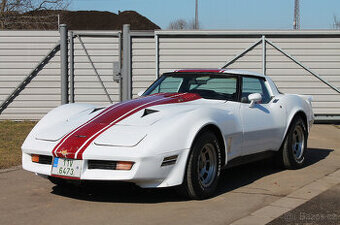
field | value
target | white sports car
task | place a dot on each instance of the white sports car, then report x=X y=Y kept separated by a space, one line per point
x=185 y=128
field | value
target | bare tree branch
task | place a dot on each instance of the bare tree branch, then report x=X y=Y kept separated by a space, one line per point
x=11 y=10
x=336 y=23
x=181 y=24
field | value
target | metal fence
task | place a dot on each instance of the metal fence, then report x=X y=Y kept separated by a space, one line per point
x=100 y=67
x=302 y=62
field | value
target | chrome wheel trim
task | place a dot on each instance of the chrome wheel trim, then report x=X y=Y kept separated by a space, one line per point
x=298 y=143
x=207 y=165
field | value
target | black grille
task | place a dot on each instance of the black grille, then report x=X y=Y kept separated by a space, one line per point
x=45 y=159
x=167 y=161
x=102 y=164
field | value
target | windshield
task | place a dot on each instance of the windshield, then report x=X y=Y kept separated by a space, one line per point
x=209 y=86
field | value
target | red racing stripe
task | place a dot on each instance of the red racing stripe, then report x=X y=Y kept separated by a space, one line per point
x=75 y=143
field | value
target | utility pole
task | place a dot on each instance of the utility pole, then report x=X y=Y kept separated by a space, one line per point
x=196 y=16
x=296 y=24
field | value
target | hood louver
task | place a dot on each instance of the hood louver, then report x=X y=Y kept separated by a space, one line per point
x=96 y=109
x=148 y=112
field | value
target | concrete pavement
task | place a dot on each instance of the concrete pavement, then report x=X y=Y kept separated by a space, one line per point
x=243 y=192
x=324 y=209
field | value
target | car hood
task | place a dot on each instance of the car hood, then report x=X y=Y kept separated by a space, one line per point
x=153 y=114
x=113 y=125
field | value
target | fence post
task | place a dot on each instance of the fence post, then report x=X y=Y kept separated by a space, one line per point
x=71 y=68
x=64 y=62
x=157 y=55
x=126 y=68
x=264 y=56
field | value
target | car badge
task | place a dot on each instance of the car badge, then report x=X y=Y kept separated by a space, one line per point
x=64 y=153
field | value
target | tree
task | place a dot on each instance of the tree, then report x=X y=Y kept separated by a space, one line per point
x=192 y=25
x=181 y=24
x=11 y=9
x=336 y=23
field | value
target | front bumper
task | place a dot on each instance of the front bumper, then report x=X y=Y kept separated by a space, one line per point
x=147 y=171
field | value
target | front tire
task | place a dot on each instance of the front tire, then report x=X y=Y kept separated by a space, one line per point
x=292 y=152
x=203 y=168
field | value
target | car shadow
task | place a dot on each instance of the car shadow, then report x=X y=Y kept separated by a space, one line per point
x=231 y=179
x=237 y=177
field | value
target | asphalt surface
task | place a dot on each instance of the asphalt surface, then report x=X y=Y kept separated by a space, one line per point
x=322 y=210
x=29 y=199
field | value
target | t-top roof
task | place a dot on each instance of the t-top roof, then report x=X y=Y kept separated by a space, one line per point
x=230 y=71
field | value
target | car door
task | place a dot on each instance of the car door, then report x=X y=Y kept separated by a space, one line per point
x=262 y=123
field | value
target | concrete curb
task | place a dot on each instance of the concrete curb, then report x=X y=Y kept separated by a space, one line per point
x=279 y=207
x=10 y=169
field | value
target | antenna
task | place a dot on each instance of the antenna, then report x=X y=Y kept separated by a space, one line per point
x=196 y=16
x=296 y=24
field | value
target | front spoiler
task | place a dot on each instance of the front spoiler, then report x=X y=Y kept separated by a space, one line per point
x=146 y=172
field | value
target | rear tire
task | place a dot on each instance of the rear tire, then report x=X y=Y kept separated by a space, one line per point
x=203 y=167
x=293 y=149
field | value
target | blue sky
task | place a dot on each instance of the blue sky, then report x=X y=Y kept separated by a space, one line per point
x=225 y=14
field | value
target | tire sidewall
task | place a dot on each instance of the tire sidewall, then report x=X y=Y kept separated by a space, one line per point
x=196 y=190
x=289 y=158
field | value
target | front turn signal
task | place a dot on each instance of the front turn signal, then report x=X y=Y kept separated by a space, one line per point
x=124 y=165
x=35 y=158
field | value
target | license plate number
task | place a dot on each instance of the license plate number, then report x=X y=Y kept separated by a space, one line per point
x=66 y=167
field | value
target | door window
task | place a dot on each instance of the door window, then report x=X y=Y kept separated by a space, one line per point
x=252 y=85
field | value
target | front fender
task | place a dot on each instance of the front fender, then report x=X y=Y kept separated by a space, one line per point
x=179 y=132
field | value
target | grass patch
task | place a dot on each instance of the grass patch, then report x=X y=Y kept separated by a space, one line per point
x=12 y=135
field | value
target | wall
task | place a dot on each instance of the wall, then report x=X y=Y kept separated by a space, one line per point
x=318 y=50
x=163 y=51
x=21 y=51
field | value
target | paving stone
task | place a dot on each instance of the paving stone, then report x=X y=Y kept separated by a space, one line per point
x=270 y=211
x=290 y=203
x=252 y=220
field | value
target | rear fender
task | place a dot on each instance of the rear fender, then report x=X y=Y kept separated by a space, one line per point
x=298 y=104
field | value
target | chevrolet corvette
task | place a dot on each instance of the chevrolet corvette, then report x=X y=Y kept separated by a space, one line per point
x=182 y=131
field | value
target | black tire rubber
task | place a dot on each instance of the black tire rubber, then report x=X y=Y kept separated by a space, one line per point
x=285 y=157
x=191 y=187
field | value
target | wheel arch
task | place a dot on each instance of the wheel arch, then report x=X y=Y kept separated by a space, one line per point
x=217 y=132
x=303 y=115
x=298 y=113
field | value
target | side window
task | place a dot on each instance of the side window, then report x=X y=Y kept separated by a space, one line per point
x=252 y=85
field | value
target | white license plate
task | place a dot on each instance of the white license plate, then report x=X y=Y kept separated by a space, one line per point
x=66 y=167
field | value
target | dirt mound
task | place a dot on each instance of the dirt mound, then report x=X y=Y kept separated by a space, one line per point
x=81 y=20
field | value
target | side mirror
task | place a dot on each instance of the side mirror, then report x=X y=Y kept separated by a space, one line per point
x=254 y=98
x=141 y=93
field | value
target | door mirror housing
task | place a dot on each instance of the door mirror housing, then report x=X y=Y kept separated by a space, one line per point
x=140 y=93
x=254 y=98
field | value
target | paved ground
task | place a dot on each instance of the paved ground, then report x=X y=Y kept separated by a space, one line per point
x=322 y=210
x=243 y=192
